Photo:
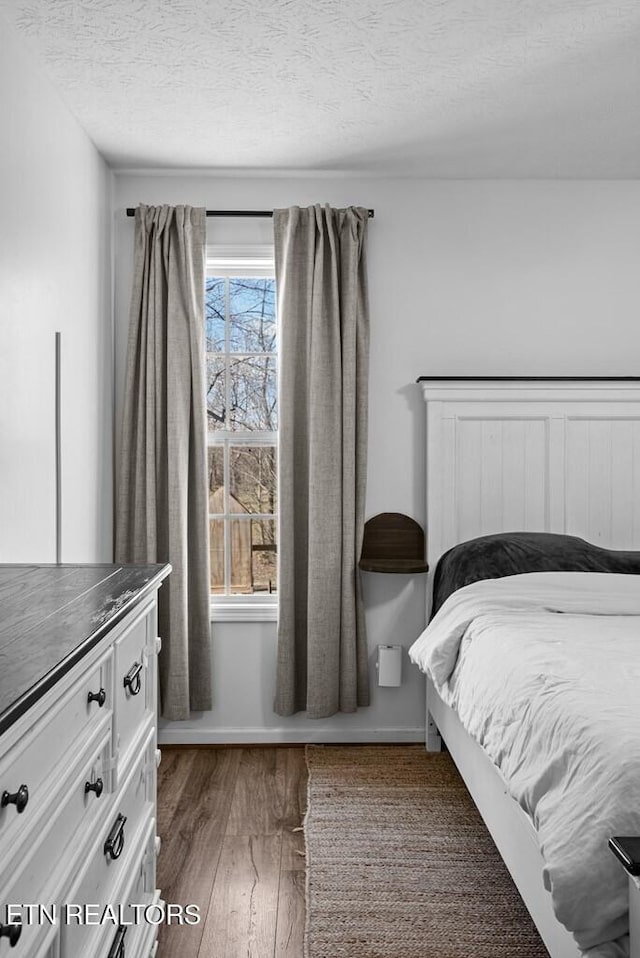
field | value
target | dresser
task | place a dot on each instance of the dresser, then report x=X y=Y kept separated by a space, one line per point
x=78 y=759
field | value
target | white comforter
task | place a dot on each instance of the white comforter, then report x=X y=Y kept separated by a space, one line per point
x=543 y=670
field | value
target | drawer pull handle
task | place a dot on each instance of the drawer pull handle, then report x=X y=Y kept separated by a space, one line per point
x=99 y=697
x=12 y=932
x=133 y=678
x=115 y=840
x=19 y=799
x=97 y=787
x=117 y=948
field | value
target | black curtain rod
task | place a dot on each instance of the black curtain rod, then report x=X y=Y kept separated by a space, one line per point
x=131 y=212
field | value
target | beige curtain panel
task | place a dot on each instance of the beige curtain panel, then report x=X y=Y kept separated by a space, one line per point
x=162 y=508
x=323 y=318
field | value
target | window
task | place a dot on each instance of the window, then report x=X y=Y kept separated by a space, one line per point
x=242 y=422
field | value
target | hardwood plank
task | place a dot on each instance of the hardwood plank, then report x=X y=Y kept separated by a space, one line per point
x=290 y=762
x=174 y=773
x=291 y=897
x=241 y=922
x=257 y=800
x=192 y=844
x=291 y=893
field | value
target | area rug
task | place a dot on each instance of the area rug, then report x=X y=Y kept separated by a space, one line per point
x=400 y=864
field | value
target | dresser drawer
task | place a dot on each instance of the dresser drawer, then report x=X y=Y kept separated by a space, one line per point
x=38 y=940
x=138 y=932
x=110 y=859
x=41 y=862
x=34 y=765
x=96 y=939
x=134 y=683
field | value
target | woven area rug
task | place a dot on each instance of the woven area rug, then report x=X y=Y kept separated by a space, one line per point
x=400 y=864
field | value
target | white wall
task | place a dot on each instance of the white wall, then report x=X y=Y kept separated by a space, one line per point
x=465 y=278
x=55 y=274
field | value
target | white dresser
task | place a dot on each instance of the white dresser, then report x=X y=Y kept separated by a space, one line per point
x=78 y=757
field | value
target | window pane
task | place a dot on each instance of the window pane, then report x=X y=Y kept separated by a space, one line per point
x=214 y=307
x=240 y=321
x=263 y=533
x=216 y=555
x=216 y=399
x=252 y=320
x=253 y=555
x=253 y=394
x=216 y=479
x=253 y=478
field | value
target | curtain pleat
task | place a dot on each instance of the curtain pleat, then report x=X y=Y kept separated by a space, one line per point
x=323 y=316
x=162 y=507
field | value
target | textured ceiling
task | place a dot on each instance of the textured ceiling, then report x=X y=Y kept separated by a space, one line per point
x=462 y=88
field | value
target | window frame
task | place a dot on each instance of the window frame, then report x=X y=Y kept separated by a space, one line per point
x=232 y=262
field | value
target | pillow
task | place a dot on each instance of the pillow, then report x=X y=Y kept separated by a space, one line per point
x=510 y=553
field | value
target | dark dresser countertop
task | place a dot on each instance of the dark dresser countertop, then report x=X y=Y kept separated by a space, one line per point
x=52 y=615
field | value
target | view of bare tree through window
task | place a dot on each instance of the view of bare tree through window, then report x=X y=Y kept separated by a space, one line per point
x=242 y=422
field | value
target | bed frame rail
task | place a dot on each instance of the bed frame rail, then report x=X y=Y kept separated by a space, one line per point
x=509 y=826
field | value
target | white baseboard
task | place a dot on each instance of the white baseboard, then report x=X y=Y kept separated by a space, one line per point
x=285 y=736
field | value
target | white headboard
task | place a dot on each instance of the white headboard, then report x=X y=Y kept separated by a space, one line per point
x=533 y=455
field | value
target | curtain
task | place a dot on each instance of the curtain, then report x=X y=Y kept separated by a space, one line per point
x=323 y=317
x=161 y=508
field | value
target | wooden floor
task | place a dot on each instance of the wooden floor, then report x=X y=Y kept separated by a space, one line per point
x=226 y=818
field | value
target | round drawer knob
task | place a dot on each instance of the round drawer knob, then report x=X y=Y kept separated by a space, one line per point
x=12 y=932
x=96 y=787
x=19 y=799
x=99 y=697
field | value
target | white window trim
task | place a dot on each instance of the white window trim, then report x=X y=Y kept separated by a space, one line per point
x=244 y=608
x=240 y=260
x=237 y=261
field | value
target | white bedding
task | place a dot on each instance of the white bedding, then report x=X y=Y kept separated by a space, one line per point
x=543 y=670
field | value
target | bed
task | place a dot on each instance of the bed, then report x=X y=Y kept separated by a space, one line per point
x=533 y=509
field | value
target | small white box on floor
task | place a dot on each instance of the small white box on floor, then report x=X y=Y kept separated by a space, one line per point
x=389 y=664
